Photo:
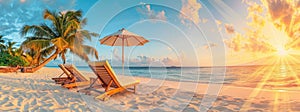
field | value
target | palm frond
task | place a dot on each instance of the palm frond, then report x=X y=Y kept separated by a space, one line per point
x=38 y=31
x=63 y=55
x=48 y=51
x=90 y=50
x=83 y=22
x=63 y=35
x=80 y=53
x=36 y=43
x=50 y=15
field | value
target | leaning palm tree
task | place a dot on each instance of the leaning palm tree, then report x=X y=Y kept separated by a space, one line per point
x=2 y=44
x=65 y=34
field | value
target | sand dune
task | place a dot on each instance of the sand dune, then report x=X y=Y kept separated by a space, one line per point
x=37 y=92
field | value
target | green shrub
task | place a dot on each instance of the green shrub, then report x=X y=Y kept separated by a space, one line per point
x=8 y=60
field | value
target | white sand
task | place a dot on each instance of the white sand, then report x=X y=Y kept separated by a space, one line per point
x=36 y=91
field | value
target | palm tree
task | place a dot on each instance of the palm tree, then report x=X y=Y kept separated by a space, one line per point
x=29 y=56
x=2 y=45
x=65 y=34
x=10 y=48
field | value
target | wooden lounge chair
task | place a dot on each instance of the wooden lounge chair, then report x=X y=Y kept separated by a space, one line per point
x=60 y=79
x=79 y=78
x=109 y=79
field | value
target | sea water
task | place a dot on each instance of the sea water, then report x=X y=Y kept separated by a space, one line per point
x=189 y=74
x=275 y=75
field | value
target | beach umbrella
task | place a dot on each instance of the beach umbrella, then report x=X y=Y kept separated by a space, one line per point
x=123 y=38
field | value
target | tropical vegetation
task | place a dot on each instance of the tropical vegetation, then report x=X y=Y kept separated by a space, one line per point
x=63 y=34
x=8 y=60
x=10 y=55
x=2 y=44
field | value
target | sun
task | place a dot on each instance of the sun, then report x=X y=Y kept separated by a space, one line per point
x=282 y=51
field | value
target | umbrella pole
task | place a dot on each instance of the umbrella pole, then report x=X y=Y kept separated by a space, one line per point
x=123 y=56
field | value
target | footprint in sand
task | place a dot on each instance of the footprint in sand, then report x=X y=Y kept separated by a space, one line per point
x=20 y=100
x=35 y=108
x=256 y=110
x=15 y=95
x=192 y=108
x=221 y=109
x=34 y=102
x=3 y=101
x=9 y=104
x=26 y=107
x=259 y=105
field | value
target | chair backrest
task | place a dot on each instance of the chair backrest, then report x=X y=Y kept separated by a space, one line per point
x=62 y=67
x=76 y=73
x=105 y=73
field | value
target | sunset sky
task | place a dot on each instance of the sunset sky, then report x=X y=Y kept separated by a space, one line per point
x=181 y=32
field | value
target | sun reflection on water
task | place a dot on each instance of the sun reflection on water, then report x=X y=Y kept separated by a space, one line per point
x=277 y=82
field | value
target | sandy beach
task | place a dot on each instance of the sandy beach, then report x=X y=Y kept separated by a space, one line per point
x=37 y=92
x=185 y=55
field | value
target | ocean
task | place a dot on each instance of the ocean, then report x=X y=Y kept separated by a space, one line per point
x=276 y=75
x=189 y=74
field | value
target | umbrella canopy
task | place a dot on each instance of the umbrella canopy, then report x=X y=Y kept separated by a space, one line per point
x=123 y=38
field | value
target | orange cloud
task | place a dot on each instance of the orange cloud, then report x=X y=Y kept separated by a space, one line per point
x=267 y=21
x=209 y=45
x=218 y=22
x=229 y=28
x=249 y=43
x=285 y=16
x=254 y=7
x=235 y=43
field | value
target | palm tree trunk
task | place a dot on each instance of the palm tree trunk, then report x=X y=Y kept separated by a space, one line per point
x=36 y=59
x=31 y=70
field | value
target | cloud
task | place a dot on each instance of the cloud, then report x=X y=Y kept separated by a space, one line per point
x=254 y=7
x=151 y=61
x=209 y=45
x=285 y=16
x=151 y=14
x=229 y=28
x=169 y=61
x=16 y=13
x=249 y=43
x=258 y=20
x=189 y=10
x=235 y=43
x=270 y=15
x=218 y=22
x=144 y=60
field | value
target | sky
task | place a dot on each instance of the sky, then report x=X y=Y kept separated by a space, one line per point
x=181 y=32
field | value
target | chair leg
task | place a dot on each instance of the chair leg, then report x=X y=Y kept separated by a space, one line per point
x=134 y=89
x=109 y=93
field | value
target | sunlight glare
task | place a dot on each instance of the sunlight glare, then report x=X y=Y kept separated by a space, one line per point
x=282 y=51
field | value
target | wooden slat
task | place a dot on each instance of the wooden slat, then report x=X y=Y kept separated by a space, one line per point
x=108 y=78
x=76 y=84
